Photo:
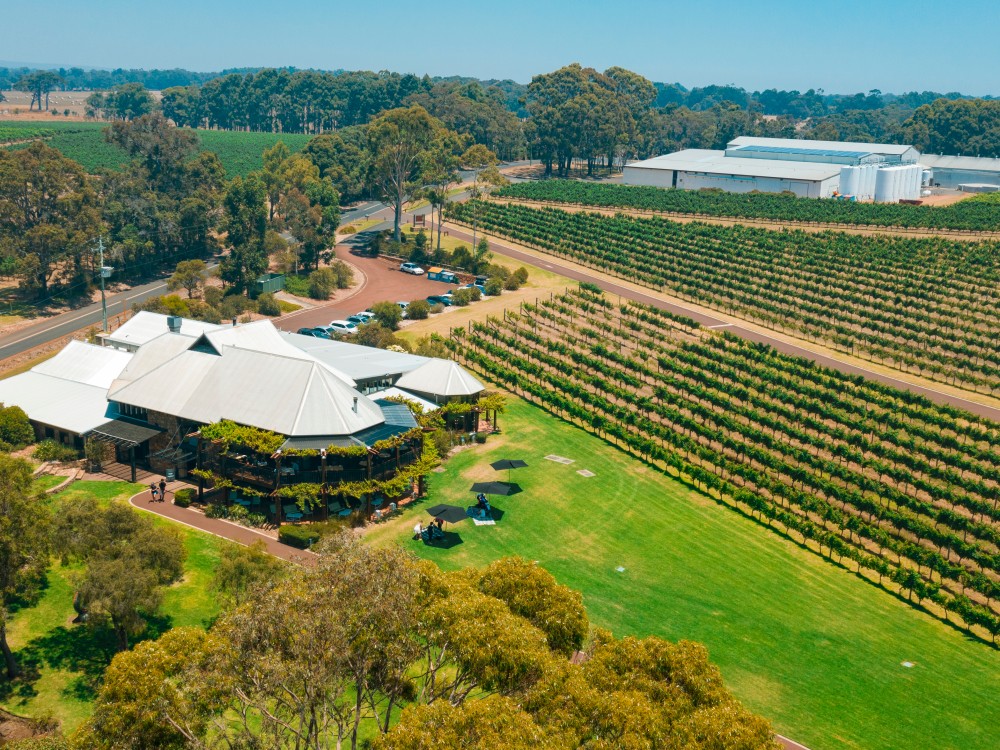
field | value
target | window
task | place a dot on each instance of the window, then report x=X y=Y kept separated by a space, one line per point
x=136 y=412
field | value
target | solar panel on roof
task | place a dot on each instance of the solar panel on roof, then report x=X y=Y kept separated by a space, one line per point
x=790 y=150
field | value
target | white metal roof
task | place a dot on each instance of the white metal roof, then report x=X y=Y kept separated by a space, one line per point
x=145 y=326
x=970 y=163
x=440 y=377
x=60 y=403
x=716 y=162
x=295 y=396
x=85 y=363
x=156 y=352
x=895 y=149
x=262 y=336
x=357 y=361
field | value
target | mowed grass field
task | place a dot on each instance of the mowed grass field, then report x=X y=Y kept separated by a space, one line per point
x=806 y=644
x=239 y=152
x=64 y=662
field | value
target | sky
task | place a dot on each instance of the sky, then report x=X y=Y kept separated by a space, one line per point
x=841 y=46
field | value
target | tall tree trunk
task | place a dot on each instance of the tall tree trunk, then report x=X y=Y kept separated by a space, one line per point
x=398 y=218
x=8 y=655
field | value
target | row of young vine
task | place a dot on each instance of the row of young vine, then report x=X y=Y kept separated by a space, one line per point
x=928 y=306
x=879 y=480
x=978 y=214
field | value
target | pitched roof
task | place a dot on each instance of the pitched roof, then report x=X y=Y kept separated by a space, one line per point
x=293 y=396
x=357 y=361
x=440 y=377
x=897 y=149
x=64 y=404
x=708 y=161
x=145 y=326
x=85 y=363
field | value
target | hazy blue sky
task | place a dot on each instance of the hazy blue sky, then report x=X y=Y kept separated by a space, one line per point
x=837 y=45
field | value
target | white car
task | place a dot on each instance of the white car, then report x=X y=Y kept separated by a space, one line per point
x=365 y=315
x=412 y=268
x=343 y=327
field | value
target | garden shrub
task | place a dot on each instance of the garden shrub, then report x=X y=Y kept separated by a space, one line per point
x=512 y=284
x=419 y=309
x=15 y=428
x=50 y=450
x=462 y=297
x=215 y=510
x=302 y=537
x=184 y=497
x=521 y=274
x=267 y=304
x=494 y=286
x=238 y=514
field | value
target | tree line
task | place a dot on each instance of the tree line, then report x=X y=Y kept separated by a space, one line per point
x=574 y=113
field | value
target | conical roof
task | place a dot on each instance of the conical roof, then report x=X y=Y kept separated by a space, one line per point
x=440 y=377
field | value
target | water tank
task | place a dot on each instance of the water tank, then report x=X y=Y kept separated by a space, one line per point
x=884 y=186
x=848 y=180
x=926 y=178
x=870 y=182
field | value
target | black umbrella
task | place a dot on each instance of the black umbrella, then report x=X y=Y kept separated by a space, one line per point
x=496 y=488
x=448 y=513
x=508 y=464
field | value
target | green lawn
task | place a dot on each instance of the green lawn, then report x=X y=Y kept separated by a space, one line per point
x=47 y=481
x=806 y=644
x=64 y=662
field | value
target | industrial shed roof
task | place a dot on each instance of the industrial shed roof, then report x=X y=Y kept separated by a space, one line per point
x=716 y=162
x=966 y=163
x=838 y=146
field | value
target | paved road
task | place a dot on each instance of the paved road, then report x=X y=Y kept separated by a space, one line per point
x=552 y=263
x=64 y=324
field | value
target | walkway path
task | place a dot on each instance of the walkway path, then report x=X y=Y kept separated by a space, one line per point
x=218 y=527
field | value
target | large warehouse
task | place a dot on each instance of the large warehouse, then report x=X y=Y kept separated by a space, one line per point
x=809 y=169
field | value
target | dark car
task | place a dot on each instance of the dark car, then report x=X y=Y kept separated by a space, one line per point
x=438 y=299
x=319 y=333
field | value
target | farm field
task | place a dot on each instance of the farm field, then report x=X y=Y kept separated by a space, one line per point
x=807 y=645
x=877 y=479
x=239 y=152
x=979 y=214
x=68 y=660
x=926 y=306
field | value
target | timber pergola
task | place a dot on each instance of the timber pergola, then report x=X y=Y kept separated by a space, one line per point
x=123 y=434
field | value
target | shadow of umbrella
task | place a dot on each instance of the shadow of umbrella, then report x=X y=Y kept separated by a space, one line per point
x=496 y=488
x=448 y=540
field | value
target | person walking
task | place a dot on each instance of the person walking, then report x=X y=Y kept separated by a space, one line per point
x=163 y=490
x=152 y=492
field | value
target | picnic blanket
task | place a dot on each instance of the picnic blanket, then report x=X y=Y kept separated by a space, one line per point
x=482 y=522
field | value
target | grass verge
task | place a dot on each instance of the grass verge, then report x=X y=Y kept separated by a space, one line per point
x=810 y=646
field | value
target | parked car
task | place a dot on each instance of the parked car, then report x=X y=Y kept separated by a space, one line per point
x=343 y=327
x=319 y=333
x=440 y=299
x=412 y=268
x=365 y=315
x=403 y=306
x=357 y=320
x=476 y=285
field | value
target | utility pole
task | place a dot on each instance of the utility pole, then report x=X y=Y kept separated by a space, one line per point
x=105 y=272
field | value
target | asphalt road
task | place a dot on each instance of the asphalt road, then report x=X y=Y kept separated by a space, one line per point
x=64 y=324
